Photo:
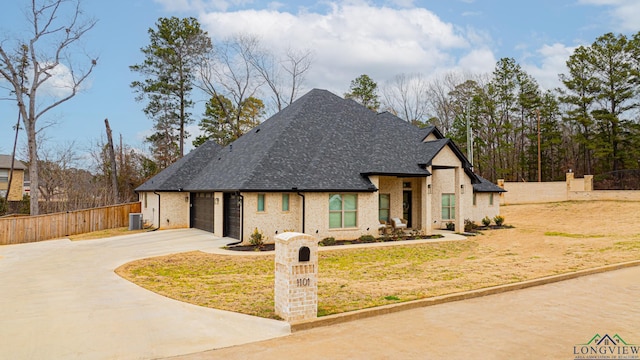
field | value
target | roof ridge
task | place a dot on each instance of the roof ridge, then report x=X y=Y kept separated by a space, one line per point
x=289 y=122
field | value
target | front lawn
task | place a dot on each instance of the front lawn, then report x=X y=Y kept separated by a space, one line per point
x=547 y=239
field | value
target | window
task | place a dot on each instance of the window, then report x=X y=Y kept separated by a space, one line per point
x=145 y=200
x=491 y=199
x=4 y=175
x=384 y=207
x=343 y=210
x=474 y=199
x=285 y=202
x=260 y=202
x=448 y=206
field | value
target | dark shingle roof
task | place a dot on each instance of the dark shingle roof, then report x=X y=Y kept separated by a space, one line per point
x=320 y=142
x=177 y=175
x=486 y=186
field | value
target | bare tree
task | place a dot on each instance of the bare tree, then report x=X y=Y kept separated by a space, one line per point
x=229 y=74
x=406 y=95
x=56 y=28
x=283 y=76
x=112 y=162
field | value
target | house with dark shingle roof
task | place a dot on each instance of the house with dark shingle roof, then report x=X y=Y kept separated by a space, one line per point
x=325 y=166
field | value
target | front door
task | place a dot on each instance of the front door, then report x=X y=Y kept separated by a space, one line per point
x=406 y=206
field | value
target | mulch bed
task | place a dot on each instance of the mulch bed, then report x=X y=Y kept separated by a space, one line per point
x=271 y=247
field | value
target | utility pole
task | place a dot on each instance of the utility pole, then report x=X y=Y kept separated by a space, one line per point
x=539 y=158
x=469 y=135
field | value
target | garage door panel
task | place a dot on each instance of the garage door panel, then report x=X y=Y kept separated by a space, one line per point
x=202 y=211
x=231 y=216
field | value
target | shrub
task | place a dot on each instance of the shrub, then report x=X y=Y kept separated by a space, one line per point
x=499 y=220
x=25 y=205
x=328 y=241
x=469 y=225
x=4 y=206
x=367 y=238
x=397 y=234
x=256 y=238
x=451 y=226
x=486 y=221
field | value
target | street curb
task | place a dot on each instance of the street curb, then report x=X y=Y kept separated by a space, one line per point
x=388 y=309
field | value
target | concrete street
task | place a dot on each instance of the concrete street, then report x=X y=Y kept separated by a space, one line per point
x=544 y=322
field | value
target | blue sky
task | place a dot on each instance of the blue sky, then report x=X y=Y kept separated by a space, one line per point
x=348 y=38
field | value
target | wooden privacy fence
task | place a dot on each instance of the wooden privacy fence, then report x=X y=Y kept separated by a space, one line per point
x=26 y=229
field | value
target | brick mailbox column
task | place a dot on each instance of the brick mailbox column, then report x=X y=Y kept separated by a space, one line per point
x=296 y=285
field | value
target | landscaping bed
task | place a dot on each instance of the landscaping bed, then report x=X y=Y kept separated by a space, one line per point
x=366 y=239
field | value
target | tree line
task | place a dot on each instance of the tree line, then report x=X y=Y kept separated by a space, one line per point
x=508 y=125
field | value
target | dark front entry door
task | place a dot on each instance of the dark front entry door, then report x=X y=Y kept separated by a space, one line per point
x=406 y=206
x=202 y=211
x=231 y=216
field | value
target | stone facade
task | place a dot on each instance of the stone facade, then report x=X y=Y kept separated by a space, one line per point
x=17 y=185
x=296 y=277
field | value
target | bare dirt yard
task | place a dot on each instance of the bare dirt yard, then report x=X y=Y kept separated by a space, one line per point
x=546 y=239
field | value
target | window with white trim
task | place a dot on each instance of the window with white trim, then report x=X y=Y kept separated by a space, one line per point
x=4 y=175
x=343 y=211
x=448 y=206
x=384 y=207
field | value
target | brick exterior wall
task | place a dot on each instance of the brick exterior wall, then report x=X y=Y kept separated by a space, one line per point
x=296 y=282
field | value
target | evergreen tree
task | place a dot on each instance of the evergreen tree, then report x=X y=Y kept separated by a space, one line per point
x=176 y=48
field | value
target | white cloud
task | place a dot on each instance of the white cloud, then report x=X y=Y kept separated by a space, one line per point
x=625 y=12
x=478 y=61
x=60 y=84
x=552 y=63
x=357 y=38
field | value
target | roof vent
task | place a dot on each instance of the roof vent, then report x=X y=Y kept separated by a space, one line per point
x=230 y=147
x=257 y=131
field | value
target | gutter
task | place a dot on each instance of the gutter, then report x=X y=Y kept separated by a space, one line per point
x=303 y=210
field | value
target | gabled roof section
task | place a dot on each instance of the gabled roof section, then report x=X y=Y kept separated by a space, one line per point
x=487 y=186
x=179 y=174
x=321 y=142
x=5 y=163
x=432 y=130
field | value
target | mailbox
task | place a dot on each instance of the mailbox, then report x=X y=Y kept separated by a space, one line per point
x=303 y=254
x=296 y=273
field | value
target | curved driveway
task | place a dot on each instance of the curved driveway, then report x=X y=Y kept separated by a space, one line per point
x=62 y=300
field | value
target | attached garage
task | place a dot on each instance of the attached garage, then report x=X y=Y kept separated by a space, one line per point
x=202 y=211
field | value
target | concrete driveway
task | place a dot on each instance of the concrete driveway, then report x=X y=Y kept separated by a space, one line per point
x=61 y=300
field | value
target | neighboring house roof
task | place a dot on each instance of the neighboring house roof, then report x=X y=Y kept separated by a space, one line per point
x=486 y=186
x=5 y=163
x=321 y=142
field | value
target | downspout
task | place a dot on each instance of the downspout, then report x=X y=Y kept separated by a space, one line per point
x=241 y=222
x=158 y=212
x=303 y=210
